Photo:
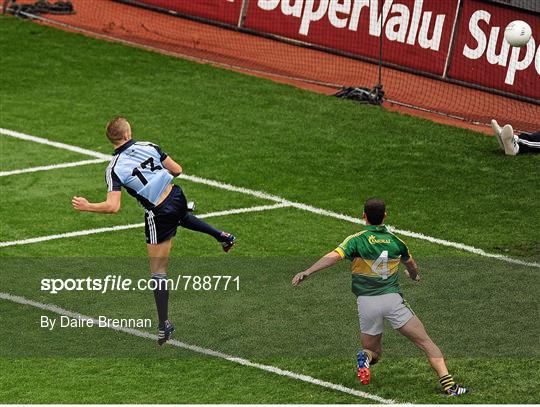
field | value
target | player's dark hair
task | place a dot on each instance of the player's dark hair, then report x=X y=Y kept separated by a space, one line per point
x=375 y=208
x=117 y=128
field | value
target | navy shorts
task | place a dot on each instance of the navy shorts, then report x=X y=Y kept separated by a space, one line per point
x=161 y=222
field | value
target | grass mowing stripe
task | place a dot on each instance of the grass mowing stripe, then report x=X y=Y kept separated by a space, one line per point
x=135 y=225
x=51 y=167
x=41 y=140
x=298 y=205
x=205 y=351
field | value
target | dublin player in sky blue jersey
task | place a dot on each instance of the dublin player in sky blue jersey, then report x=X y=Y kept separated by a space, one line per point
x=146 y=173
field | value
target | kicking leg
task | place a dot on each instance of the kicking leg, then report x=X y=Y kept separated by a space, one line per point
x=191 y=222
x=159 y=261
x=415 y=331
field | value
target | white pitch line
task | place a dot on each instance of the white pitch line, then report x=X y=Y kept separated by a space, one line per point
x=462 y=247
x=243 y=210
x=233 y=188
x=40 y=140
x=351 y=219
x=134 y=225
x=51 y=167
x=298 y=205
x=71 y=234
x=204 y=351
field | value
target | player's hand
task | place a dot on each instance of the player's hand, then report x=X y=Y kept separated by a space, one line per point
x=415 y=278
x=297 y=279
x=79 y=203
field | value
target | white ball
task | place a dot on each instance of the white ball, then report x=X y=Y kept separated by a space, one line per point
x=518 y=33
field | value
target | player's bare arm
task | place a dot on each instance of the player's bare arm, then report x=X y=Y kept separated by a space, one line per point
x=172 y=166
x=110 y=205
x=411 y=269
x=326 y=261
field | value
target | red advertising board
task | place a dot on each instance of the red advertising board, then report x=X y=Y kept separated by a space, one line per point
x=482 y=56
x=416 y=32
x=226 y=11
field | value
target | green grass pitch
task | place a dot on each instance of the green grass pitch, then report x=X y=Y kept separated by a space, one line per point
x=437 y=180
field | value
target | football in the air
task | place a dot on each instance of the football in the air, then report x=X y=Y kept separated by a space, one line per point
x=518 y=33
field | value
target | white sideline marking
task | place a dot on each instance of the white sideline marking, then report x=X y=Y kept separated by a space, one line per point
x=278 y=199
x=205 y=351
x=40 y=140
x=51 y=167
x=463 y=247
x=135 y=225
x=351 y=219
x=232 y=188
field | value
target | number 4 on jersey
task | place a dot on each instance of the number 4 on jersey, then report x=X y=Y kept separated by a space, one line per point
x=380 y=266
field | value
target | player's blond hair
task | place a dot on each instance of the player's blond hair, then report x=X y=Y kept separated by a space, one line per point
x=117 y=128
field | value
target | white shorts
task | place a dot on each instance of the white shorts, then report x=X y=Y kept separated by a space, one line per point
x=373 y=310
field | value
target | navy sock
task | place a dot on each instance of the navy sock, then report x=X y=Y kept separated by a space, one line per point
x=161 y=296
x=193 y=223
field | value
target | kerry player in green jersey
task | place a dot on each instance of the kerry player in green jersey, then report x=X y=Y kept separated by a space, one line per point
x=375 y=254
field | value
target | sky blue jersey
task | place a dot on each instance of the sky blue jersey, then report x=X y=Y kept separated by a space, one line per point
x=137 y=166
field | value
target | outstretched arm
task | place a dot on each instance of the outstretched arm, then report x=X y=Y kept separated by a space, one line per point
x=111 y=205
x=324 y=262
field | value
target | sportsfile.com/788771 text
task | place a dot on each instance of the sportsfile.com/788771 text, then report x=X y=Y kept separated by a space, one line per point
x=119 y=283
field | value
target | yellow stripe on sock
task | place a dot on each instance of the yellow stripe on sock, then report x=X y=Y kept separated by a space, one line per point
x=446 y=381
x=369 y=355
x=449 y=382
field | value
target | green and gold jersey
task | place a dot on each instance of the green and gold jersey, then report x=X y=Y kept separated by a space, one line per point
x=375 y=254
